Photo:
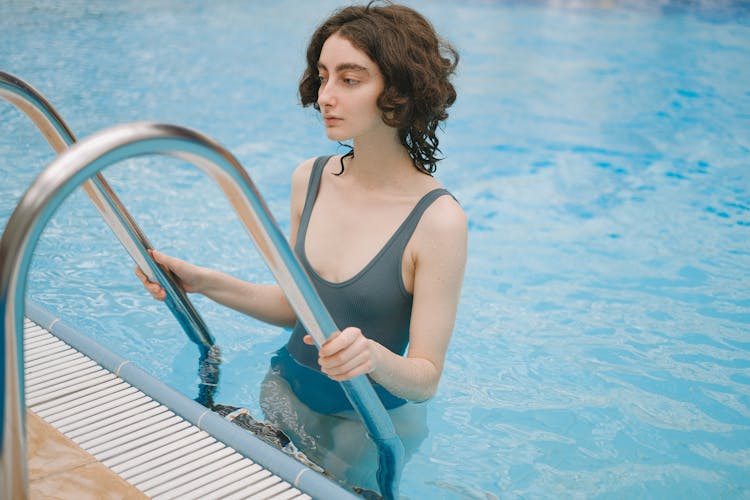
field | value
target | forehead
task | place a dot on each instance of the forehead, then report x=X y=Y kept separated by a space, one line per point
x=338 y=51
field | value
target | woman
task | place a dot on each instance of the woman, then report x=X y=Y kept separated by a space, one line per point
x=383 y=242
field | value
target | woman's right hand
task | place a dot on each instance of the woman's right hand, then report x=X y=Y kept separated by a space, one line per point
x=187 y=274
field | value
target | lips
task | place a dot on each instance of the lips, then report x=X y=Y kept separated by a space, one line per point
x=331 y=120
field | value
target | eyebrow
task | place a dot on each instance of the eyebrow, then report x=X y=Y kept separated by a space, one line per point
x=346 y=67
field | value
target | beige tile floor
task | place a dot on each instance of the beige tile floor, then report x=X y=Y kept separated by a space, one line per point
x=59 y=469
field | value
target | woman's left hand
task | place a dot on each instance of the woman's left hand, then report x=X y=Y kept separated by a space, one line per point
x=346 y=354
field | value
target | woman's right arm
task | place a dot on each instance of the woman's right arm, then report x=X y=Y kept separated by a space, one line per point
x=264 y=302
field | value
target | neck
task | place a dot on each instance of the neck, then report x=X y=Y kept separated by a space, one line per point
x=380 y=162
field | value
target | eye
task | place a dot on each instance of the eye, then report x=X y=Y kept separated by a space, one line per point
x=350 y=81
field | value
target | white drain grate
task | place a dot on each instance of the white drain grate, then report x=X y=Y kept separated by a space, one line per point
x=144 y=442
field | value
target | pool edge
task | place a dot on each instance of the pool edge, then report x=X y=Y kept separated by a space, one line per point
x=245 y=443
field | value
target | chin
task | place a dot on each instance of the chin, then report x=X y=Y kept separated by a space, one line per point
x=337 y=135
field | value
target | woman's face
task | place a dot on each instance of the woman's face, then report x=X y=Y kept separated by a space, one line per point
x=350 y=83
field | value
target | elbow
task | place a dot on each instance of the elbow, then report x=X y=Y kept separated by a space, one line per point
x=428 y=388
x=415 y=381
x=425 y=395
x=431 y=389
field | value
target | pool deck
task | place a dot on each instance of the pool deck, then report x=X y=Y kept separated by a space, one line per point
x=58 y=468
x=90 y=434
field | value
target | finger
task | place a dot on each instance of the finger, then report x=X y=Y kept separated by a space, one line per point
x=359 y=365
x=307 y=339
x=339 y=341
x=160 y=258
x=153 y=288
x=342 y=359
x=156 y=291
x=141 y=275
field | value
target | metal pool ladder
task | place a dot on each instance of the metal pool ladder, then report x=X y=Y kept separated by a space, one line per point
x=85 y=159
x=58 y=134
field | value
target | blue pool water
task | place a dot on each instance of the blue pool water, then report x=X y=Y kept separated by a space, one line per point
x=601 y=151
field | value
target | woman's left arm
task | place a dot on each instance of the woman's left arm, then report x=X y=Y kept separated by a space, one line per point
x=439 y=256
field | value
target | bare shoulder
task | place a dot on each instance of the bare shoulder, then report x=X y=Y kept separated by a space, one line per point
x=444 y=221
x=441 y=237
x=300 y=180
x=301 y=174
x=440 y=248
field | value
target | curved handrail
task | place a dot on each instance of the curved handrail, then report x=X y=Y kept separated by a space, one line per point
x=88 y=157
x=45 y=117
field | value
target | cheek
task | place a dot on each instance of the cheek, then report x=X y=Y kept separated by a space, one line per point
x=372 y=101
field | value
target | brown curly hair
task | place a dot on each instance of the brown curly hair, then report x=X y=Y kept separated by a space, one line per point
x=416 y=65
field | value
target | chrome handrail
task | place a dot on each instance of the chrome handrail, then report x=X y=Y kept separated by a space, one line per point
x=86 y=158
x=47 y=119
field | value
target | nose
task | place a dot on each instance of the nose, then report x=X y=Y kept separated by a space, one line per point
x=326 y=97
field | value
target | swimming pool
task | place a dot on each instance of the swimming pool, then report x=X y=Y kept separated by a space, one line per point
x=601 y=154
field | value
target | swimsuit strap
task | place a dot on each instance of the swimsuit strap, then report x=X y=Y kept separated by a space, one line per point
x=403 y=234
x=313 y=185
